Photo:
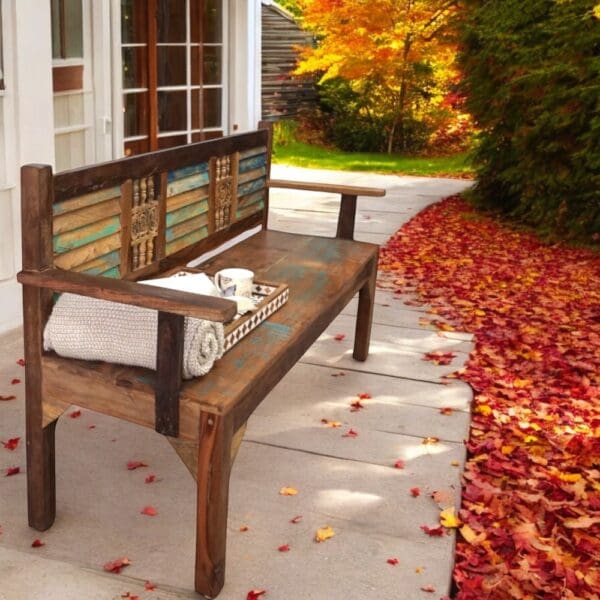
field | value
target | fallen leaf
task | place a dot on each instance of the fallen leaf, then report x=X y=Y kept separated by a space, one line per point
x=455 y=463
x=324 y=533
x=338 y=374
x=338 y=337
x=75 y=414
x=15 y=381
x=430 y=440
x=12 y=443
x=331 y=423
x=443 y=498
x=284 y=548
x=12 y=471
x=428 y=588
x=37 y=543
x=7 y=398
x=21 y=362
x=364 y=396
x=433 y=531
x=255 y=594
x=399 y=464
x=135 y=464
x=446 y=410
x=415 y=492
x=150 y=478
x=449 y=519
x=288 y=491
x=350 y=433
x=244 y=528
x=115 y=566
x=470 y=536
x=91 y=426
x=149 y=586
x=130 y=596
x=356 y=406
x=581 y=522
x=296 y=519
x=150 y=511
x=392 y=561
x=420 y=570
x=440 y=358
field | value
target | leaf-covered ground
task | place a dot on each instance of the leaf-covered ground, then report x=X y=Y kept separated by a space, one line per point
x=531 y=489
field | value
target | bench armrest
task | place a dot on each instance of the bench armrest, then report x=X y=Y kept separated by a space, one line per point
x=130 y=292
x=347 y=216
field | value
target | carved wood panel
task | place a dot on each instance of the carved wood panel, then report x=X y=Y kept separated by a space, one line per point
x=144 y=222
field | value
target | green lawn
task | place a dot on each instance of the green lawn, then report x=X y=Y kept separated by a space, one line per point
x=302 y=155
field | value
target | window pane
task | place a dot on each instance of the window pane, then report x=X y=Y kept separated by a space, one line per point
x=135 y=107
x=171 y=17
x=212 y=21
x=134 y=67
x=171 y=65
x=73 y=29
x=196 y=109
x=133 y=22
x=172 y=111
x=1 y=59
x=212 y=65
x=55 y=18
x=195 y=21
x=212 y=107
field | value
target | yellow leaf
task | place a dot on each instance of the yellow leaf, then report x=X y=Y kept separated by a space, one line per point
x=324 y=533
x=469 y=535
x=419 y=570
x=597 y=11
x=430 y=440
x=569 y=477
x=288 y=491
x=483 y=409
x=529 y=439
x=479 y=312
x=448 y=518
x=455 y=463
x=521 y=383
x=507 y=449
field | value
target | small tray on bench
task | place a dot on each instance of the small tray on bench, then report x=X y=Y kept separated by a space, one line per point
x=268 y=298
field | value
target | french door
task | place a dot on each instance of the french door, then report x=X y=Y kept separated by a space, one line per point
x=173 y=65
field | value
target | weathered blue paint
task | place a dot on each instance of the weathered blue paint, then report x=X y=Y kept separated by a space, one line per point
x=69 y=240
x=103 y=263
x=186 y=172
x=251 y=186
x=171 y=236
x=279 y=330
x=186 y=184
x=186 y=240
x=187 y=212
x=254 y=162
x=240 y=363
x=114 y=273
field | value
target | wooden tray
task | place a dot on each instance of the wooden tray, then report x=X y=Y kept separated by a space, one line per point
x=268 y=298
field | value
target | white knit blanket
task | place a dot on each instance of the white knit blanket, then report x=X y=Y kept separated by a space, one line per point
x=91 y=329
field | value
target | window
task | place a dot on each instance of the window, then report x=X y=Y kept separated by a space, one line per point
x=172 y=57
x=67 y=29
x=1 y=57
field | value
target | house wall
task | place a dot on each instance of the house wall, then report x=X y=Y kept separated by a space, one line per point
x=71 y=128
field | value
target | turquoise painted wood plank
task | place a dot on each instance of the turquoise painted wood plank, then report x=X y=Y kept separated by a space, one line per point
x=187 y=212
x=244 y=201
x=251 y=186
x=187 y=183
x=63 y=242
x=60 y=208
x=115 y=273
x=251 y=175
x=253 y=151
x=101 y=264
x=254 y=162
x=186 y=240
x=250 y=210
x=186 y=172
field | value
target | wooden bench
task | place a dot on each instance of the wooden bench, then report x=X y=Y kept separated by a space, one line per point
x=94 y=231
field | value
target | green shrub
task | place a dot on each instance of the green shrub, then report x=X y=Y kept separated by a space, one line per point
x=532 y=79
x=284 y=132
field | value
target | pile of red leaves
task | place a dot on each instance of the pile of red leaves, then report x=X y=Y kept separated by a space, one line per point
x=531 y=488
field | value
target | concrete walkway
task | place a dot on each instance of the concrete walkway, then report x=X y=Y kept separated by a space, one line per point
x=348 y=483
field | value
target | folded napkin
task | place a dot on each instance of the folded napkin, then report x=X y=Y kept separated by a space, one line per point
x=92 y=329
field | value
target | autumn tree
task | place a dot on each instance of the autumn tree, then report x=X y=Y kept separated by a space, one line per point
x=397 y=55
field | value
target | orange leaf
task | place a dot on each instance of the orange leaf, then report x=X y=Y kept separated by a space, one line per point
x=288 y=491
x=244 y=528
x=430 y=440
x=115 y=566
x=331 y=423
x=446 y=410
x=7 y=398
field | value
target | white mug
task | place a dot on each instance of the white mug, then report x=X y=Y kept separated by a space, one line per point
x=235 y=282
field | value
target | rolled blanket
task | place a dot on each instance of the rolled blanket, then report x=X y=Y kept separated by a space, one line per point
x=92 y=329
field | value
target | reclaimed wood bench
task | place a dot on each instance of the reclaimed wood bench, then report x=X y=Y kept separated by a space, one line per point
x=94 y=231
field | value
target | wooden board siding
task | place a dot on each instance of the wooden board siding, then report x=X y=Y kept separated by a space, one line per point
x=283 y=95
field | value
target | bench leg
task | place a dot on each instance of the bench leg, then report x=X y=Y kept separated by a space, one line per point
x=364 y=316
x=214 y=468
x=41 y=486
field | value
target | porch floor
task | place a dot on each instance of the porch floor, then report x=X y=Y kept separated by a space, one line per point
x=347 y=483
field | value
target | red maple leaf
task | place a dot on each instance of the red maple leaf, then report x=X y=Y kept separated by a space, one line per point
x=446 y=410
x=356 y=406
x=350 y=433
x=75 y=414
x=37 y=543
x=296 y=519
x=15 y=381
x=399 y=464
x=415 y=491
x=115 y=566
x=284 y=548
x=439 y=358
x=364 y=396
x=433 y=531
x=150 y=479
x=150 y=511
x=392 y=561
x=12 y=443
x=135 y=464
x=130 y=596
x=149 y=586
x=338 y=337
x=21 y=362
x=255 y=594
x=12 y=471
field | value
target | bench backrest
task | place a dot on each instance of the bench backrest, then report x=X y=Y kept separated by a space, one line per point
x=135 y=216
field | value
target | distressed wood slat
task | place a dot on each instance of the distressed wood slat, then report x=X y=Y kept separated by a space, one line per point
x=245 y=201
x=65 y=206
x=84 y=254
x=70 y=240
x=181 y=200
x=249 y=210
x=181 y=229
x=252 y=175
x=186 y=240
x=187 y=183
x=252 y=162
x=85 y=216
x=251 y=186
x=252 y=152
x=186 y=172
x=187 y=212
x=100 y=265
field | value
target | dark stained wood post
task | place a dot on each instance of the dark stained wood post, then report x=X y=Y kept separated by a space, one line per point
x=214 y=469
x=36 y=223
x=364 y=316
x=345 y=228
x=169 y=368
